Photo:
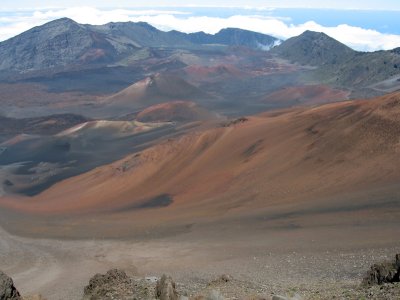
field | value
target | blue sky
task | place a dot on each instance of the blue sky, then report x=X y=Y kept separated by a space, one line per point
x=366 y=25
x=338 y=4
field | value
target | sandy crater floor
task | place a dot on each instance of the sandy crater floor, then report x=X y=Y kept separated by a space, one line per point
x=59 y=269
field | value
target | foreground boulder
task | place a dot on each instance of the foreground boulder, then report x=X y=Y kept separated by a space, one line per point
x=166 y=289
x=7 y=288
x=115 y=284
x=387 y=272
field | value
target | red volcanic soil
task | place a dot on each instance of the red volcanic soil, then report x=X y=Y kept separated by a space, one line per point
x=235 y=70
x=336 y=163
x=207 y=73
x=273 y=157
x=93 y=55
x=28 y=99
x=178 y=111
x=306 y=94
x=153 y=90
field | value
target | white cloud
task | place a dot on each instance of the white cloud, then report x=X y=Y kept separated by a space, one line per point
x=355 y=37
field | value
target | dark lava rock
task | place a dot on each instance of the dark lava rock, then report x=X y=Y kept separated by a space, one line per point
x=225 y=278
x=7 y=288
x=166 y=289
x=234 y=122
x=387 y=272
x=115 y=284
x=222 y=279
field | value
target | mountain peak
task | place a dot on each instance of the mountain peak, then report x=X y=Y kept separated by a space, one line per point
x=313 y=33
x=128 y=24
x=314 y=48
x=154 y=89
x=233 y=29
x=147 y=26
x=61 y=22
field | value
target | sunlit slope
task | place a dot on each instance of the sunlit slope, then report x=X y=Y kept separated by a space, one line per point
x=282 y=158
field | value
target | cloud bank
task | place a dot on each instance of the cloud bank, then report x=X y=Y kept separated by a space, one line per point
x=355 y=37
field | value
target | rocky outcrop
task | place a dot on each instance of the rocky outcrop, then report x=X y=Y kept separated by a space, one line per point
x=7 y=288
x=166 y=289
x=115 y=284
x=222 y=279
x=387 y=272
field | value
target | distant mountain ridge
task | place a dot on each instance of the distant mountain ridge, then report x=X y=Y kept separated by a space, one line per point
x=65 y=42
x=54 y=43
x=338 y=64
x=235 y=37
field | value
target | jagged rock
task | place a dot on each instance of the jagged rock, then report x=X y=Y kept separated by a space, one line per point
x=115 y=284
x=7 y=288
x=295 y=297
x=166 y=289
x=222 y=279
x=277 y=297
x=387 y=272
x=235 y=122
